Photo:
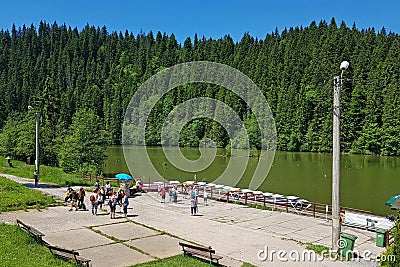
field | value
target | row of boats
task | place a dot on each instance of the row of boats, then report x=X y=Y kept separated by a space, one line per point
x=218 y=191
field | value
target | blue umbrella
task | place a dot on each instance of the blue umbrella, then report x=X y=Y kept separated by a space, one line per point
x=123 y=176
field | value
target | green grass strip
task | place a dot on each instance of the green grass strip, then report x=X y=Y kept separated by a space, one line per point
x=15 y=196
x=18 y=248
x=176 y=261
x=47 y=174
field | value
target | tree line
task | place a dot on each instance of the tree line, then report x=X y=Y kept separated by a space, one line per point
x=69 y=75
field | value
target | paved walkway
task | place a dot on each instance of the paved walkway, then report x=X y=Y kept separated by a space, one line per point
x=153 y=230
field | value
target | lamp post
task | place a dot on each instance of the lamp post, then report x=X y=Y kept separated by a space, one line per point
x=37 y=165
x=336 y=157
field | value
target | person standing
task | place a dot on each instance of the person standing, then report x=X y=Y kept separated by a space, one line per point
x=193 y=206
x=140 y=186
x=120 y=196
x=163 y=192
x=126 y=204
x=109 y=191
x=175 y=195
x=205 y=195
x=102 y=196
x=171 y=194
x=137 y=186
x=112 y=202
x=97 y=185
x=94 y=201
x=81 y=198
x=36 y=177
x=159 y=187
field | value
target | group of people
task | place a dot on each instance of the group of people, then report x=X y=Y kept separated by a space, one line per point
x=192 y=191
x=99 y=196
x=173 y=194
x=104 y=195
x=76 y=197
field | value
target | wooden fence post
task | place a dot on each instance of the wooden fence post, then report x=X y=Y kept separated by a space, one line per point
x=313 y=209
x=287 y=205
x=387 y=236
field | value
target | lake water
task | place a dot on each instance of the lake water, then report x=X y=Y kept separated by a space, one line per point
x=366 y=181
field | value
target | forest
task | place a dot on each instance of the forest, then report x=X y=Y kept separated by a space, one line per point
x=73 y=76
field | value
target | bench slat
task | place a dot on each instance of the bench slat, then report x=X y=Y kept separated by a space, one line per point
x=32 y=231
x=200 y=252
x=68 y=254
x=196 y=247
x=204 y=254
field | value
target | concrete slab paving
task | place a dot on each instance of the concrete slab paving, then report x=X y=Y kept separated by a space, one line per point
x=76 y=239
x=294 y=225
x=125 y=231
x=160 y=246
x=236 y=232
x=115 y=254
x=278 y=230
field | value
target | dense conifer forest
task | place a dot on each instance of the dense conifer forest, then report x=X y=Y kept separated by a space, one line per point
x=68 y=74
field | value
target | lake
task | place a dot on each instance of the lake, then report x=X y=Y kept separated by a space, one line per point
x=366 y=181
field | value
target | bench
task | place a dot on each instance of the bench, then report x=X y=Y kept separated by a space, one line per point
x=200 y=252
x=68 y=255
x=38 y=236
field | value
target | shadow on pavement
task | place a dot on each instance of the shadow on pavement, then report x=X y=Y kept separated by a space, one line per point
x=32 y=185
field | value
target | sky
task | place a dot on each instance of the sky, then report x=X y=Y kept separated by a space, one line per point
x=209 y=18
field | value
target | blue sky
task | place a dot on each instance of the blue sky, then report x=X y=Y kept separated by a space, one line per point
x=206 y=17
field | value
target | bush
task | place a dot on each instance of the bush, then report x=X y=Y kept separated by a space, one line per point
x=394 y=249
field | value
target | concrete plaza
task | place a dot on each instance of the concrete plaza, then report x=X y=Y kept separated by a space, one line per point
x=153 y=230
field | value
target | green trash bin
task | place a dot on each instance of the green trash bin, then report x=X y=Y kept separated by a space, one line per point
x=346 y=245
x=380 y=238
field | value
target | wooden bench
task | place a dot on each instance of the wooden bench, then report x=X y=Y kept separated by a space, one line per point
x=200 y=252
x=37 y=235
x=69 y=255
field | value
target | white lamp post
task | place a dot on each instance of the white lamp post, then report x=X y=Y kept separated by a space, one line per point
x=37 y=165
x=336 y=158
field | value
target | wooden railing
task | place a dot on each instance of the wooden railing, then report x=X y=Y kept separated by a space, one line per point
x=389 y=238
x=316 y=210
x=92 y=178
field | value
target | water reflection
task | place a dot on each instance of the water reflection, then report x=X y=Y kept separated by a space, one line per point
x=366 y=181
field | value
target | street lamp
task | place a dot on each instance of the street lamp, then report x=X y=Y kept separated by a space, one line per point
x=37 y=165
x=338 y=81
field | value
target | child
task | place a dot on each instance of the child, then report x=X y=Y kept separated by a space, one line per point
x=68 y=194
x=112 y=202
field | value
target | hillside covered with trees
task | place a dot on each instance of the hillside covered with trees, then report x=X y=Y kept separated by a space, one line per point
x=63 y=71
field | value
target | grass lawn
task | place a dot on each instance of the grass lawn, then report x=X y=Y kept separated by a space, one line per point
x=15 y=196
x=18 y=248
x=176 y=261
x=180 y=261
x=47 y=174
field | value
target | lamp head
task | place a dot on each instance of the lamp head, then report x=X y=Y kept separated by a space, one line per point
x=30 y=107
x=344 y=65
